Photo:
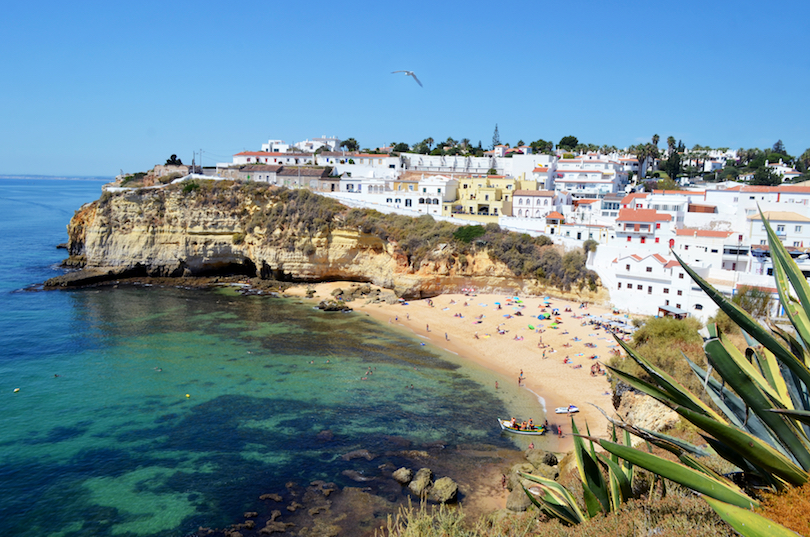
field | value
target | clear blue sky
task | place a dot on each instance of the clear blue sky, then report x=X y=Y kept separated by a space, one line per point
x=90 y=88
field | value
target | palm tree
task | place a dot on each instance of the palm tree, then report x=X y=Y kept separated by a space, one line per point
x=670 y=144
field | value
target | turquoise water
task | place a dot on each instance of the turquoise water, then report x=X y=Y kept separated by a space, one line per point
x=152 y=411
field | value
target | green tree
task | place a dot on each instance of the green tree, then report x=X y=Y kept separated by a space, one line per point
x=496 y=137
x=803 y=162
x=401 y=147
x=350 y=144
x=673 y=164
x=174 y=161
x=568 y=143
x=655 y=139
x=765 y=176
x=671 y=144
x=429 y=142
x=779 y=148
x=519 y=143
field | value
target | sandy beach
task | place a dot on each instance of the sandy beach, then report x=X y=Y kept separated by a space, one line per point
x=505 y=336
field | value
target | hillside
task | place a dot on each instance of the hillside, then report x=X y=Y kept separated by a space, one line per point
x=221 y=227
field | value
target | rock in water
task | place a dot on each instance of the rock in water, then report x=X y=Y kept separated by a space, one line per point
x=403 y=475
x=421 y=482
x=444 y=490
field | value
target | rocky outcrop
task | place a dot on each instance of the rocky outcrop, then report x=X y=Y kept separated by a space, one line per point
x=421 y=482
x=444 y=490
x=176 y=231
x=645 y=412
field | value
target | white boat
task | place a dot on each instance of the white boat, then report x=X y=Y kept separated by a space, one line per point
x=570 y=409
x=506 y=425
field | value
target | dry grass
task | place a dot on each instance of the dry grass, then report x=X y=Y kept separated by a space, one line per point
x=791 y=509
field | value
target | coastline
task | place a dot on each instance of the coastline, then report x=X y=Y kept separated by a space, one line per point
x=554 y=383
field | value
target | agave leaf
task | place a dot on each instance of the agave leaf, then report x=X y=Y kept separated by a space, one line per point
x=786 y=263
x=748 y=368
x=555 y=500
x=620 y=488
x=751 y=392
x=770 y=370
x=746 y=522
x=642 y=385
x=626 y=465
x=749 y=325
x=801 y=415
x=749 y=447
x=793 y=309
x=667 y=383
x=695 y=464
x=736 y=410
x=594 y=488
x=679 y=473
x=795 y=346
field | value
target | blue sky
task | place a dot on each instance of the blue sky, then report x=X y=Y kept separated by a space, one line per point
x=92 y=88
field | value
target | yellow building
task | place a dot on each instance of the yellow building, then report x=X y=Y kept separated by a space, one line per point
x=486 y=195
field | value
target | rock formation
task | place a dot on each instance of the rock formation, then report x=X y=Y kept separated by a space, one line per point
x=183 y=231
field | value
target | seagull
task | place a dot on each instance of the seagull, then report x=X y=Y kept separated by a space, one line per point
x=409 y=73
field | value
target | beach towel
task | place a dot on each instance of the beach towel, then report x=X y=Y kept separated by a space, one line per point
x=531 y=327
x=445 y=309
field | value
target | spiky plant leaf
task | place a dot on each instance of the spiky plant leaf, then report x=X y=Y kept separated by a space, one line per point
x=746 y=522
x=554 y=499
x=749 y=325
x=679 y=473
x=794 y=274
x=753 y=395
x=594 y=488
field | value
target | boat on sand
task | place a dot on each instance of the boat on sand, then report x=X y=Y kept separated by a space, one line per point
x=570 y=409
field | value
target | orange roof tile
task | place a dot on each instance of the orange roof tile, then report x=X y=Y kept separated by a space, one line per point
x=671 y=264
x=642 y=215
x=659 y=258
x=630 y=197
x=554 y=215
x=540 y=169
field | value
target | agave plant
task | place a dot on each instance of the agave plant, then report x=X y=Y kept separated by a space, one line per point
x=763 y=404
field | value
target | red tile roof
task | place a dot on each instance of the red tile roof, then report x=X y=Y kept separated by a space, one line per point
x=540 y=169
x=691 y=232
x=671 y=264
x=630 y=198
x=554 y=215
x=659 y=258
x=642 y=215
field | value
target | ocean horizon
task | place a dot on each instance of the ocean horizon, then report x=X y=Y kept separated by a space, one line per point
x=145 y=411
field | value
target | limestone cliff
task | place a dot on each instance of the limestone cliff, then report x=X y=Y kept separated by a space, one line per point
x=196 y=230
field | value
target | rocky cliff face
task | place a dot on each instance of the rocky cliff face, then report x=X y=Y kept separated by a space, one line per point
x=189 y=232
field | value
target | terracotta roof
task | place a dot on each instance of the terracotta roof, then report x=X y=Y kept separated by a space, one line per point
x=692 y=232
x=642 y=215
x=585 y=202
x=780 y=216
x=540 y=169
x=631 y=197
x=637 y=257
x=659 y=258
x=554 y=215
x=784 y=189
x=541 y=193
x=671 y=264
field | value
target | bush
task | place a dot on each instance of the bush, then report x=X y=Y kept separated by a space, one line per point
x=238 y=238
x=468 y=233
x=190 y=186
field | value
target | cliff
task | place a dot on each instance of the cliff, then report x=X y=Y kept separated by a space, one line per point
x=222 y=227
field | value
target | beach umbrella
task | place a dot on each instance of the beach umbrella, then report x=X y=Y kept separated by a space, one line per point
x=498 y=303
x=531 y=327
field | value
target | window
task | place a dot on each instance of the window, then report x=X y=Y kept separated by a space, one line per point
x=629 y=239
x=408 y=202
x=643 y=240
x=698 y=306
x=387 y=200
x=796 y=243
x=620 y=285
x=780 y=229
x=685 y=246
x=649 y=289
x=657 y=239
x=666 y=290
x=627 y=267
x=639 y=287
x=658 y=225
x=680 y=292
x=763 y=225
x=666 y=302
x=680 y=275
x=770 y=271
x=678 y=306
x=398 y=200
x=798 y=229
x=763 y=242
x=714 y=250
x=649 y=269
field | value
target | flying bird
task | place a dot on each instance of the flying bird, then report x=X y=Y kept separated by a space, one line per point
x=409 y=73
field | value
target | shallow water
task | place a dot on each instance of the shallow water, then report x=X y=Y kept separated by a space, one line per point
x=152 y=411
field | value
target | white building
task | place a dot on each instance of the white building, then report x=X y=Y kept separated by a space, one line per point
x=427 y=196
x=276 y=146
x=589 y=178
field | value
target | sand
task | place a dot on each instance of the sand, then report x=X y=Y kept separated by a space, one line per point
x=558 y=383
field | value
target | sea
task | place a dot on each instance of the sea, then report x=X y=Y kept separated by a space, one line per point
x=137 y=410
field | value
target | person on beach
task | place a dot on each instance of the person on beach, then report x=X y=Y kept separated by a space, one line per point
x=503 y=481
x=559 y=431
x=427 y=328
x=496 y=384
x=531 y=445
x=475 y=336
x=445 y=337
x=408 y=316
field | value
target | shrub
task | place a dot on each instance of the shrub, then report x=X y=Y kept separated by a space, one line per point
x=190 y=186
x=238 y=238
x=468 y=233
